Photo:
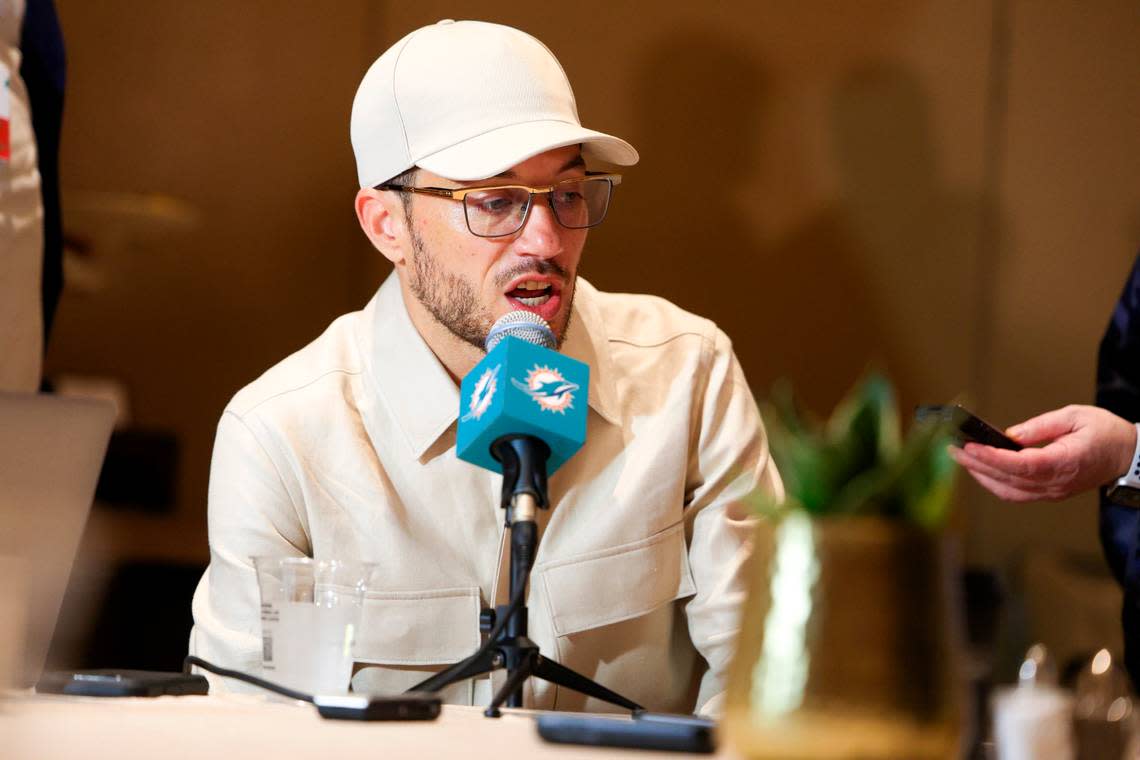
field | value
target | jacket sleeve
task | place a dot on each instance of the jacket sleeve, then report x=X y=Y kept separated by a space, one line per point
x=251 y=513
x=1118 y=390
x=729 y=463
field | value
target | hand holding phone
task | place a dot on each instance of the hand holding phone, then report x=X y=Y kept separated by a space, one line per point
x=1069 y=450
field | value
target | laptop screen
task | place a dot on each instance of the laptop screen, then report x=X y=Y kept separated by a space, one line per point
x=51 y=451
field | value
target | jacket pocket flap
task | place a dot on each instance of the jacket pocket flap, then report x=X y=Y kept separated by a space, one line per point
x=418 y=627
x=617 y=584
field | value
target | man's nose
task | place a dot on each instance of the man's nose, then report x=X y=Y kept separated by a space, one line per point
x=541 y=235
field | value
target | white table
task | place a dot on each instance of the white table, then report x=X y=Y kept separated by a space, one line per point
x=233 y=727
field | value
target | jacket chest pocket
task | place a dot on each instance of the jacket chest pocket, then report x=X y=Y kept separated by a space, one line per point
x=405 y=636
x=618 y=583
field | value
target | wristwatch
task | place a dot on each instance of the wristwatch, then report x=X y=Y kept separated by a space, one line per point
x=1126 y=489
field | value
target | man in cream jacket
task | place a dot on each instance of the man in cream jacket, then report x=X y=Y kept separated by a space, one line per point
x=473 y=174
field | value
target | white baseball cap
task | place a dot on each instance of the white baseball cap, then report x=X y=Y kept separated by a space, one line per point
x=467 y=100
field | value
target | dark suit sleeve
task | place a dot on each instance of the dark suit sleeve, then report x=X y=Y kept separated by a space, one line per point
x=1118 y=390
x=43 y=68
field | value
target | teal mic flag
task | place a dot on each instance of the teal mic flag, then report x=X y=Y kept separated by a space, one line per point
x=522 y=388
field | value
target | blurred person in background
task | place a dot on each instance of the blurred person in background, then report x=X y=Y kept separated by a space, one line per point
x=1078 y=448
x=32 y=68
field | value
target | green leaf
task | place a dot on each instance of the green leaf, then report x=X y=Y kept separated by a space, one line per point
x=857 y=463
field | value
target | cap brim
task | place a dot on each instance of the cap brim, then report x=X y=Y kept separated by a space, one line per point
x=496 y=151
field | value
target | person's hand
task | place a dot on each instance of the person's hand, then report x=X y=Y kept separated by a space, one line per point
x=1085 y=446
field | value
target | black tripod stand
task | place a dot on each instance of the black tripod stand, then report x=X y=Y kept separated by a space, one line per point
x=524 y=490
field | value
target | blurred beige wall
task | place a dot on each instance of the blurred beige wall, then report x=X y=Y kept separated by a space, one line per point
x=949 y=190
x=239 y=112
x=1070 y=204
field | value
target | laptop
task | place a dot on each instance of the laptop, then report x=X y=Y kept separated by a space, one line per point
x=51 y=452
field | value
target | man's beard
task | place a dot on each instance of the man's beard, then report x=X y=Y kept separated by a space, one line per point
x=455 y=303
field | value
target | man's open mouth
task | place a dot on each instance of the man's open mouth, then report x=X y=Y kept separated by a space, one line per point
x=532 y=292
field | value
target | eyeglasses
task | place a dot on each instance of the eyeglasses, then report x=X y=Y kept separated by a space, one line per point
x=503 y=209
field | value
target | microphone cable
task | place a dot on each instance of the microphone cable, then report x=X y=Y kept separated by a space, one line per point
x=192 y=660
x=337 y=706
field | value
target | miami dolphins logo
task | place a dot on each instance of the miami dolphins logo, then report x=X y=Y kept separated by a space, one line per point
x=550 y=390
x=482 y=394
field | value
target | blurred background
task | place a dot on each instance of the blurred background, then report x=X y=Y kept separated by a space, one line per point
x=947 y=190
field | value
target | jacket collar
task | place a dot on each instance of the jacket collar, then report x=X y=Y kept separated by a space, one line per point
x=418 y=393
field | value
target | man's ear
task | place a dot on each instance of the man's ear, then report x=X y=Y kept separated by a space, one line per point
x=381 y=216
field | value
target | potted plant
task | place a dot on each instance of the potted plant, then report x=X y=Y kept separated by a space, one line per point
x=848 y=634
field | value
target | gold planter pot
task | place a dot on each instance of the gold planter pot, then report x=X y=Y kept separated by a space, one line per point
x=848 y=642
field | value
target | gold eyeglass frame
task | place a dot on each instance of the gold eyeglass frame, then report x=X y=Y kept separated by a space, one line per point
x=461 y=193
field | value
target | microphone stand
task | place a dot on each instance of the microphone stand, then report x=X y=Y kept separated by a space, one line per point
x=524 y=492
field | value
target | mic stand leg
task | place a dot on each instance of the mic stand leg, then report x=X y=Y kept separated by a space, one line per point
x=511 y=690
x=524 y=490
x=538 y=666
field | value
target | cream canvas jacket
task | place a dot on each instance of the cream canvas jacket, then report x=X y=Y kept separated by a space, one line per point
x=346 y=449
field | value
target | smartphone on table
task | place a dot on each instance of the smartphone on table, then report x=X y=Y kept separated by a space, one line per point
x=657 y=731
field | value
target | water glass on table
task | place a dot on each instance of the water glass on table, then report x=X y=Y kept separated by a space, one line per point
x=310 y=614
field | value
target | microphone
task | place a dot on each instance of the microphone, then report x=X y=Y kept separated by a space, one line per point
x=522 y=389
x=522 y=409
